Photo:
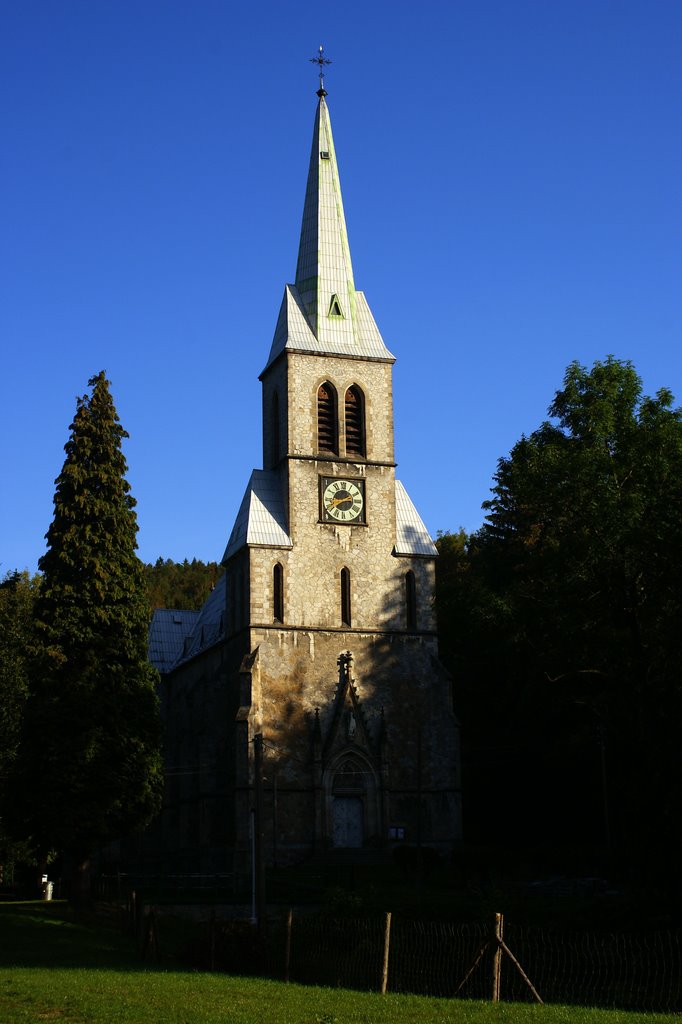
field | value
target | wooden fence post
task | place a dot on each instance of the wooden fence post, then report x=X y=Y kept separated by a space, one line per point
x=387 y=943
x=133 y=914
x=497 y=958
x=211 y=940
x=150 y=946
x=287 y=945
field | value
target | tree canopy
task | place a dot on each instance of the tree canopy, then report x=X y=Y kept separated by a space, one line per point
x=89 y=767
x=17 y=596
x=180 y=584
x=569 y=603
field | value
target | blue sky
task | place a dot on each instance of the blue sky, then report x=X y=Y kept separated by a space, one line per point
x=511 y=176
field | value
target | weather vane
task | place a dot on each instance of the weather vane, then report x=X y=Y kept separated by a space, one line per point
x=321 y=60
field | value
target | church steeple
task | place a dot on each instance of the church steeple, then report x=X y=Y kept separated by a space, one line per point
x=324 y=272
x=322 y=313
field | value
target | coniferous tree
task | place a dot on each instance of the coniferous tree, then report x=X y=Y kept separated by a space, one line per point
x=180 y=584
x=89 y=766
x=17 y=597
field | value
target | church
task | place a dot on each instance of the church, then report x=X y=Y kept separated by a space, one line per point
x=310 y=683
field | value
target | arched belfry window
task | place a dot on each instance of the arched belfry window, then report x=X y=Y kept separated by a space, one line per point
x=355 y=422
x=274 y=428
x=278 y=593
x=345 y=597
x=327 y=432
x=411 y=600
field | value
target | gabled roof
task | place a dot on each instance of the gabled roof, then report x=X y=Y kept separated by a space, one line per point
x=322 y=313
x=412 y=537
x=209 y=626
x=294 y=334
x=261 y=519
x=167 y=632
x=175 y=635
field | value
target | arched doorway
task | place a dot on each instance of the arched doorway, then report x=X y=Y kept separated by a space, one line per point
x=348 y=821
x=352 y=798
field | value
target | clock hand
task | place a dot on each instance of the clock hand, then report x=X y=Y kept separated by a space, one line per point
x=339 y=501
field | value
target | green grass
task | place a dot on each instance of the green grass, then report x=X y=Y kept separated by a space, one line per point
x=55 y=967
x=76 y=996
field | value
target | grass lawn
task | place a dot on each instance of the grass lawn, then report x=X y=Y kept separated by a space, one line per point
x=55 y=968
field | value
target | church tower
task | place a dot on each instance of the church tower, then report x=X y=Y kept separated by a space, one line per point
x=336 y=570
x=319 y=648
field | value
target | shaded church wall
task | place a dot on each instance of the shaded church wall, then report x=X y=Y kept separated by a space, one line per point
x=403 y=733
x=200 y=703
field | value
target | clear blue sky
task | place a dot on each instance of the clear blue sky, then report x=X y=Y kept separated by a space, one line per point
x=512 y=181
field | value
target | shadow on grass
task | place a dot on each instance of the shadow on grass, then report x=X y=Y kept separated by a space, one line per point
x=37 y=934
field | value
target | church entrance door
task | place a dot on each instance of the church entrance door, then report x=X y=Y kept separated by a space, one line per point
x=348 y=821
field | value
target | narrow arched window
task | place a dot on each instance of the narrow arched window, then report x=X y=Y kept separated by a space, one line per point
x=246 y=600
x=355 y=422
x=239 y=599
x=327 y=432
x=345 y=598
x=411 y=600
x=274 y=427
x=278 y=593
x=231 y=606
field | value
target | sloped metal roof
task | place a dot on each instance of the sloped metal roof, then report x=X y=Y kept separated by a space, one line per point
x=175 y=634
x=209 y=626
x=412 y=537
x=261 y=519
x=293 y=332
x=322 y=313
x=167 y=632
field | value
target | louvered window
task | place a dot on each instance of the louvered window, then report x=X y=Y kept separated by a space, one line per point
x=345 y=597
x=411 y=600
x=278 y=593
x=355 y=422
x=327 y=436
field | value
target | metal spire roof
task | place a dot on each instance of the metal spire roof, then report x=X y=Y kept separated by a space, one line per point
x=322 y=312
x=324 y=267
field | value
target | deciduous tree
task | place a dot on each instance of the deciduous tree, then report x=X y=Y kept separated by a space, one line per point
x=575 y=611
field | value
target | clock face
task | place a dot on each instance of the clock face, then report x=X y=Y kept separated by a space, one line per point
x=343 y=501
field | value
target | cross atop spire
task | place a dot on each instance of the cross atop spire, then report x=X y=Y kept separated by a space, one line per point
x=321 y=60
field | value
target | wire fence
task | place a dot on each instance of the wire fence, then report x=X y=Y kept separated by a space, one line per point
x=470 y=960
x=629 y=971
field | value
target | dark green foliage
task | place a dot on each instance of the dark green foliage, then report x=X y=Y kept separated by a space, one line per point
x=17 y=595
x=180 y=584
x=567 y=607
x=89 y=766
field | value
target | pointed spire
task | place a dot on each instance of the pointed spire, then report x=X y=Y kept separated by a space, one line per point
x=324 y=272
x=323 y=313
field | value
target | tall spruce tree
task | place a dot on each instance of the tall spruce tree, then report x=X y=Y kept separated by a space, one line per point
x=89 y=767
x=17 y=597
